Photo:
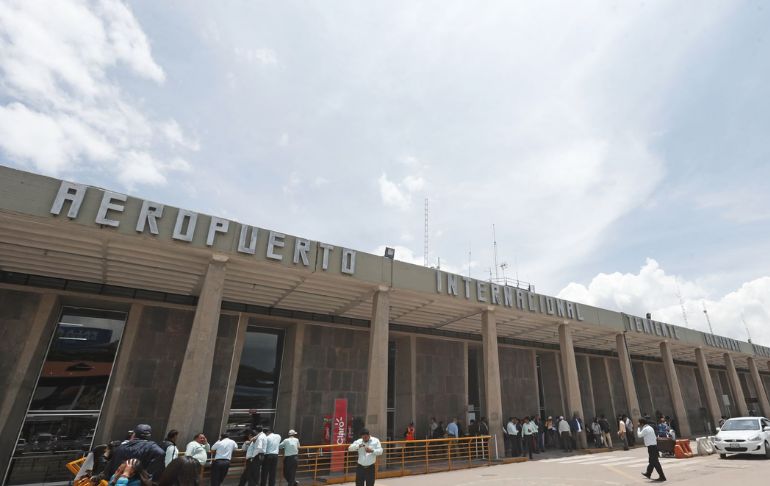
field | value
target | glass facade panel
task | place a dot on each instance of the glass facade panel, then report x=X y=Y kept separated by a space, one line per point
x=65 y=405
x=256 y=386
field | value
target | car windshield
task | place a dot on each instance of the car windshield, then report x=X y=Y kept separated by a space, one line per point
x=747 y=424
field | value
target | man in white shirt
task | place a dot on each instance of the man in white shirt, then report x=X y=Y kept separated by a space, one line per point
x=647 y=433
x=511 y=434
x=270 y=461
x=565 y=434
x=199 y=449
x=528 y=430
x=250 y=448
x=290 y=446
x=223 y=453
x=368 y=448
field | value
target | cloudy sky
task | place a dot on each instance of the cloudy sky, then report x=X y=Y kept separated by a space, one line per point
x=619 y=148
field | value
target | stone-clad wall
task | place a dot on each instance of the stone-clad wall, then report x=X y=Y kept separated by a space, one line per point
x=334 y=365
x=660 y=394
x=156 y=359
x=586 y=391
x=220 y=374
x=601 y=391
x=554 y=404
x=440 y=382
x=642 y=390
x=518 y=380
x=617 y=388
x=695 y=407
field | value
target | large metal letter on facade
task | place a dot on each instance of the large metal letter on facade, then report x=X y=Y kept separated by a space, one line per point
x=494 y=400
x=377 y=384
x=680 y=412
x=571 y=385
x=632 y=400
x=735 y=384
x=712 y=402
x=188 y=410
x=760 y=387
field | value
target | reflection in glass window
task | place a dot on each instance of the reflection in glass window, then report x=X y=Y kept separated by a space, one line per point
x=68 y=397
x=256 y=386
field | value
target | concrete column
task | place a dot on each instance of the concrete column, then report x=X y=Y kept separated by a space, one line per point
x=493 y=393
x=23 y=377
x=571 y=385
x=235 y=363
x=188 y=409
x=626 y=371
x=760 y=387
x=377 y=383
x=712 y=402
x=735 y=384
x=120 y=371
x=680 y=412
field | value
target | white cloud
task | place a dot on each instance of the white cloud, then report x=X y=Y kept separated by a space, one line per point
x=261 y=55
x=66 y=111
x=399 y=195
x=654 y=291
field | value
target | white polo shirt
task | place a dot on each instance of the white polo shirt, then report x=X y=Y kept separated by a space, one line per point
x=224 y=448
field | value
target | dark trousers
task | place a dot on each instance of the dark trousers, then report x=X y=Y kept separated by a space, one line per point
x=654 y=463
x=365 y=475
x=250 y=474
x=219 y=470
x=515 y=445
x=269 y=463
x=529 y=445
x=566 y=441
x=290 y=470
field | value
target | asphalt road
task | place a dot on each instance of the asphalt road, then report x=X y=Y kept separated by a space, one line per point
x=617 y=468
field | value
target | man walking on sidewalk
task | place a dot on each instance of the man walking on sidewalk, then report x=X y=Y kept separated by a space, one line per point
x=647 y=434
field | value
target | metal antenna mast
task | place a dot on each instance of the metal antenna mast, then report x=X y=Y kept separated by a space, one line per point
x=426 y=239
x=494 y=252
x=681 y=304
x=706 y=312
x=747 y=327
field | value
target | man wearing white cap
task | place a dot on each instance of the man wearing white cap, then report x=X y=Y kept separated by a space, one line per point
x=290 y=446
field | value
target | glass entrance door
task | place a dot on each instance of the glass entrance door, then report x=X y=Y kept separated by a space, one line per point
x=65 y=406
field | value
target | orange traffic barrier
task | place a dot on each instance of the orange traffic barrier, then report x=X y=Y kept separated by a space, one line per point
x=682 y=449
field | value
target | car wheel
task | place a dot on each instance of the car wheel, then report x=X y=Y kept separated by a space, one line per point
x=723 y=456
x=767 y=450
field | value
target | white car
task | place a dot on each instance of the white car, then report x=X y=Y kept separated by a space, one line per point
x=743 y=435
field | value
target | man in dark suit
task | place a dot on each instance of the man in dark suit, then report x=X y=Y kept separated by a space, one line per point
x=577 y=427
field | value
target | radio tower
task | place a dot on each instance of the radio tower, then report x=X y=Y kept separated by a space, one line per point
x=681 y=304
x=747 y=327
x=426 y=240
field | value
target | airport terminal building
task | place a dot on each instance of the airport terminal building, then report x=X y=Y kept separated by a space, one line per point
x=116 y=311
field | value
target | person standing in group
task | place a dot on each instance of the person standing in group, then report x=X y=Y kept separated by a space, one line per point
x=142 y=448
x=451 y=429
x=198 y=448
x=270 y=462
x=647 y=434
x=290 y=446
x=538 y=423
x=223 y=454
x=169 y=445
x=606 y=435
x=432 y=428
x=511 y=433
x=529 y=437
x=622 y=432
x=409 y=433
x=484 y=431
x=250 y=447
x=368 y=448
x=564 y=433
x=182 y=471
x=576 y=424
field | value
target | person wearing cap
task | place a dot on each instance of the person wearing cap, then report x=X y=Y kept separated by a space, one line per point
x=223 y=454
x=140 y=447
x=290 y=446
x=270 y=462
x=368 y=448
x=647 y=434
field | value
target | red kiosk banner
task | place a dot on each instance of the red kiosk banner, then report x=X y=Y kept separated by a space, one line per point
x=339 y=433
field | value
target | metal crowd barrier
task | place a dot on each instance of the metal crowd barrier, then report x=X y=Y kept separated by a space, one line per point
x=332 y=464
